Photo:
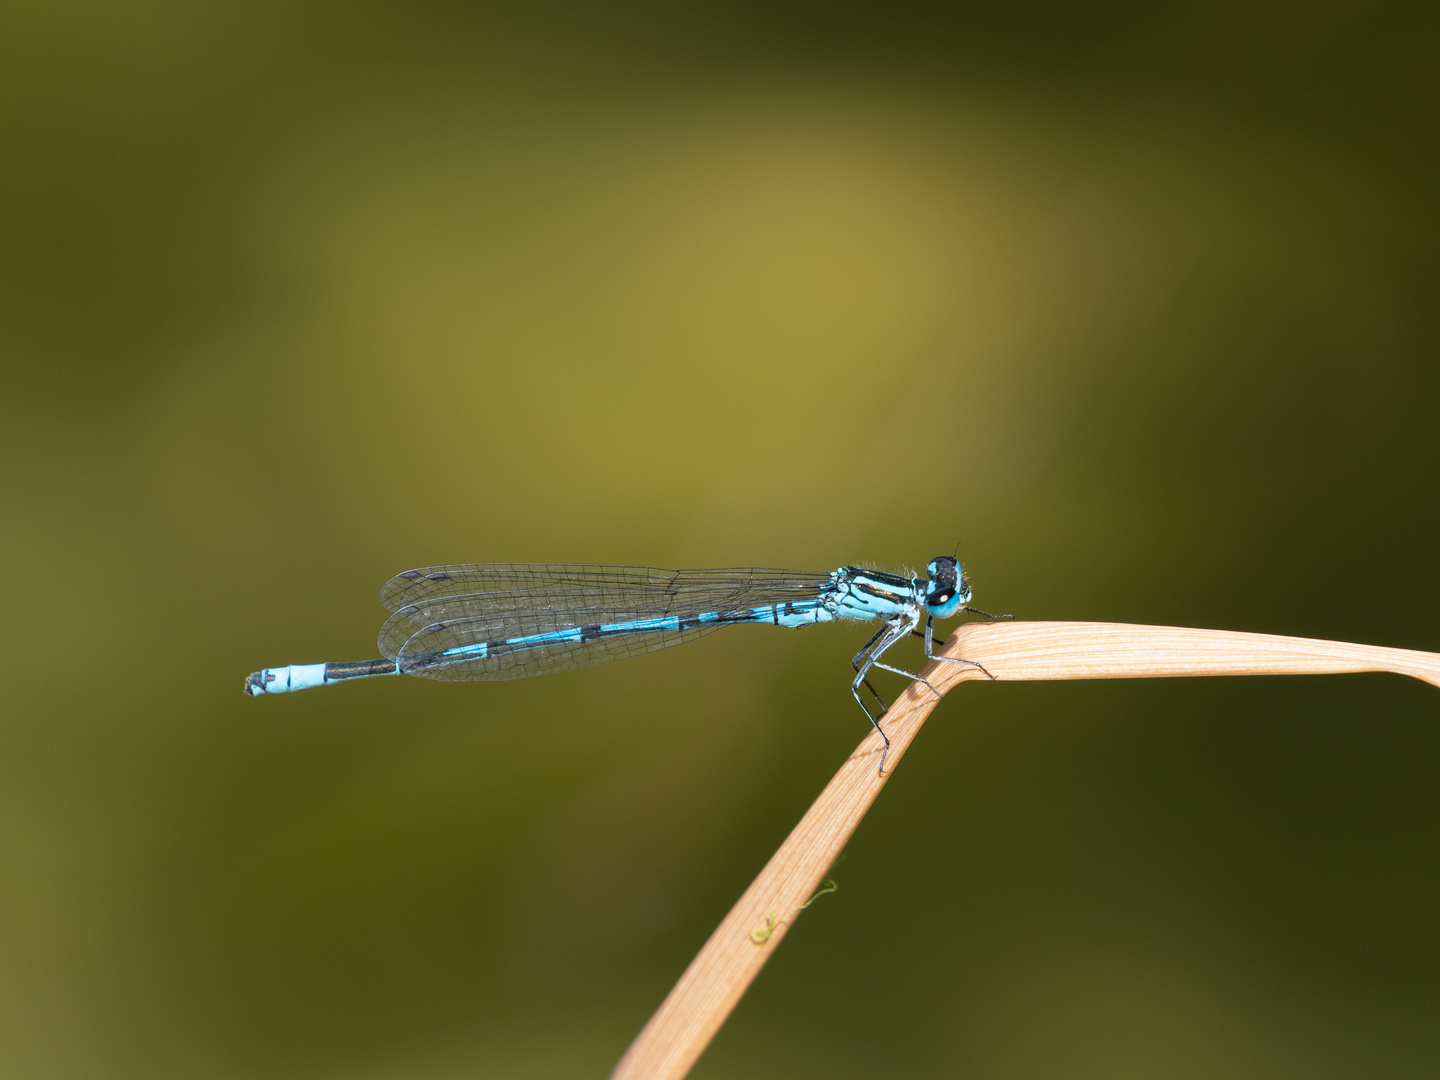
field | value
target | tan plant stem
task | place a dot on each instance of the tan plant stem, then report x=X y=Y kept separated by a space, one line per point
x=719 y=975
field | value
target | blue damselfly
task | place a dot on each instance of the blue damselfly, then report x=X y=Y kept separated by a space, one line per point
x=482 y=621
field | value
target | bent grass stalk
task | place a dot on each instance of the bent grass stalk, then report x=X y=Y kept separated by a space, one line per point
x=727 y=963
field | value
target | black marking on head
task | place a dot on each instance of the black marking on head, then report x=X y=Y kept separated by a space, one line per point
x=409 y=575
x=946 y=575
x=437 y=577
x=940 y=599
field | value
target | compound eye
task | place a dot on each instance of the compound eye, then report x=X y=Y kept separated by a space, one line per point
x=942 y=603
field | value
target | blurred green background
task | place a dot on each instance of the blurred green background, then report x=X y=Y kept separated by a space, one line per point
x=1136 y=301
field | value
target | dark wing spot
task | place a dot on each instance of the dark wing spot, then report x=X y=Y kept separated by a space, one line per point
x=409 y=575
x=437 y=577
x=406 y=612
x=432 y=627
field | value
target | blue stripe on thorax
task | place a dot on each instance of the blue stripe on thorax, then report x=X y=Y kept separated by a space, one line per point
x=872 y=594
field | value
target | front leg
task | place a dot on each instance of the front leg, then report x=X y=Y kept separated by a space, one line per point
x=930 y=648
x=900 y=630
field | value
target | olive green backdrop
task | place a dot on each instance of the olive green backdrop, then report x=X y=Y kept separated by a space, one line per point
x=1137 y=302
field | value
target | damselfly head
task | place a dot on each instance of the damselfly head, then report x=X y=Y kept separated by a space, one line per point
x=947 y=590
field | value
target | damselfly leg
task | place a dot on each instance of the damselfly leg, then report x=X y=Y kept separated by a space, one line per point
x=860 y=679
x=929 y=637
x=876 y=647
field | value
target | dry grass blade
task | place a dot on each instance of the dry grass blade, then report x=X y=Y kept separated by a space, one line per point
x=737 y=950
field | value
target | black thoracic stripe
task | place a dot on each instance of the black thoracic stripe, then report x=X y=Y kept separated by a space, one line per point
x=894 y=580
x=883 y=594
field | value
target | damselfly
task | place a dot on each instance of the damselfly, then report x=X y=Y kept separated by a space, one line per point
x=480 y=621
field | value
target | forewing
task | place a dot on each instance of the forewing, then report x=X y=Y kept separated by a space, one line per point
x=432 y=582
x=450 y=607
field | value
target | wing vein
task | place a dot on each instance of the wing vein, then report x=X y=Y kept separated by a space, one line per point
x=474 y=607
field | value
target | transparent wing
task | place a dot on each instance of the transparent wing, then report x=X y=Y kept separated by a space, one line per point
x=421 y=655
x=431 y=582
x=450 y=607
